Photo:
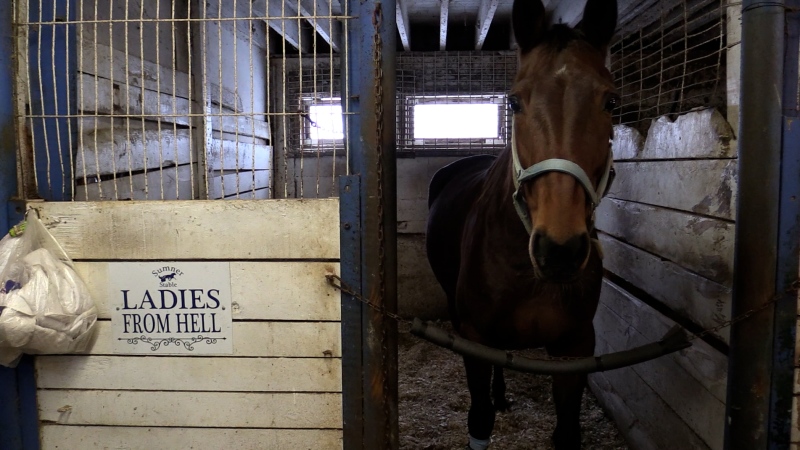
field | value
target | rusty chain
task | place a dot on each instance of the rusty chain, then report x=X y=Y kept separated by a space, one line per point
x=793 y=288
x=377 y=60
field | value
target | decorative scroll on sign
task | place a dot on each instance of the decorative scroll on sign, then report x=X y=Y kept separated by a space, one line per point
x=171 y=308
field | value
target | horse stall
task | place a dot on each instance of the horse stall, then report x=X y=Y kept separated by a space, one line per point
x=143 y=135
x=279 y=154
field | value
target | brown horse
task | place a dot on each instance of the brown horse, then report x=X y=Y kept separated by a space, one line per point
x=511 y=238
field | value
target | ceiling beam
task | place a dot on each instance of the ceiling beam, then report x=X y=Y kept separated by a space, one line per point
x=288 y=28
x=485 y=16
x=328 y=28
x=403 y=27
x=444 y=11
x=568 y=12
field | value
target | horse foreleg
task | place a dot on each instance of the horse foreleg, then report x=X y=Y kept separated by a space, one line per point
x=480 y=420
x=499 y=390
x=568 y=391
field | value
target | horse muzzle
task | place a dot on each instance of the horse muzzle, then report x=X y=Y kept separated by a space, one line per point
x=559 y=261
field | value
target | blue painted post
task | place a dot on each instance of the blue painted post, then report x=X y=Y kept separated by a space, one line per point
x=761 y=357
x=10 y=428
x=787 y=270
x=371 y=37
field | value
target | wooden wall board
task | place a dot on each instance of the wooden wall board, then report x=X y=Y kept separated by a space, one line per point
x=168 y=438
x=699 y=300
x=169 y=183
x=191 y=409
x=700 y=244
x=199 y=230
x=706 y=187
x=285 y=290
x=122 y=149
x=257 y=339
x=168 y=373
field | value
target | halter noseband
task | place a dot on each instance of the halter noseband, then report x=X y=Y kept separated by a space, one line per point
x=555 y=165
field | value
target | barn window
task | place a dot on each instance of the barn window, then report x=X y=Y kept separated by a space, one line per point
x=324 y=123
x=447 y=122
x=456 y=121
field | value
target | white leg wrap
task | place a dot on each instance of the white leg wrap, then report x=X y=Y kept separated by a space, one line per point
x=478 y=444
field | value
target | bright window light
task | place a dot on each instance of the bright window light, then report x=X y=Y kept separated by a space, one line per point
x=456 y=121
x=326 y=122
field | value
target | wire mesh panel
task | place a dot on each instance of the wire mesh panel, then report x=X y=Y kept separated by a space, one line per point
x=158 y=99
x=670 y=59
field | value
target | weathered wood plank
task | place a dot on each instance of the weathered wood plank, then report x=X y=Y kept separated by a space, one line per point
x=101 y=96
x=262 y=339
x=700 y=244
x=287 y=290
x=170 y=183
x=191 y=409
x=107 y=151
x=679 y=388
x=233 y=184
x=705 y=187
x=101 y=60
x=698 y=299
x=190 y=374
x=158 y=438
x=697 y=134
x=228 y=155
x=642 y=417
x=627 y=143
x=286 y=229
x=707 y=366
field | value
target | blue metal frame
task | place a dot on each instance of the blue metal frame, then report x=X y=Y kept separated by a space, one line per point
x=56 y=71
x=352 y=310
x=785 y=318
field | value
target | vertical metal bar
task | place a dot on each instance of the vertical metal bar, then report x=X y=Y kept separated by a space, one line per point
x=785 y=318
x=201 y=103
x=10 y=429
x=750 y=366
x=350 y=263
x=379 y=356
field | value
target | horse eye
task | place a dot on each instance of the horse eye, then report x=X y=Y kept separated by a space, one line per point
x=612 y=102
x=513 y=103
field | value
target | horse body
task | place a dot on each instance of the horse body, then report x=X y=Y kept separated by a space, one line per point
x=510 y=239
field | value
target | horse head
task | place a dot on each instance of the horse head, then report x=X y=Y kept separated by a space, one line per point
x=562 y=98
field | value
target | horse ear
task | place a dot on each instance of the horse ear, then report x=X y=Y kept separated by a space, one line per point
x=529 y=22
x=599 y=22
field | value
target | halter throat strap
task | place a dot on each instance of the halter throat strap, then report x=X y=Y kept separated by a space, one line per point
x=554 y=165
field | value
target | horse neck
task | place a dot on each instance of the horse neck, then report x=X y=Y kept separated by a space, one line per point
x=495 y=200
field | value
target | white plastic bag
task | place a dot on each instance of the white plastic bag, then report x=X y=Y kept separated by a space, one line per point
x=44 y=306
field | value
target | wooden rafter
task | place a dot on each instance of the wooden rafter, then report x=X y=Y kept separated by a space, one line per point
x=328 y=28
x=485 y=16
x=444 y=11
x=403 y=26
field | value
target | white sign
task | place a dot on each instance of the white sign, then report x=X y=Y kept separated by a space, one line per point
x=171 y=308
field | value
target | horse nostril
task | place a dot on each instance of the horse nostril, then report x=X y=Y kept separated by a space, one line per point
x=560 y=259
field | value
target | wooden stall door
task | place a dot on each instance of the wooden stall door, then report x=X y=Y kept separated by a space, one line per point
x=282 y=385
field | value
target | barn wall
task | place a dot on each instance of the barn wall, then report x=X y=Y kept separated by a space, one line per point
x=281 y=387
x=143 y=68
x=667 y=229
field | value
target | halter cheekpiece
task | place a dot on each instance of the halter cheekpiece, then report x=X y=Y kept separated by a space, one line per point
x=555 y=165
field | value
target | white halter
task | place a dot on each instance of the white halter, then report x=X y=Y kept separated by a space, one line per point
x=555 y=165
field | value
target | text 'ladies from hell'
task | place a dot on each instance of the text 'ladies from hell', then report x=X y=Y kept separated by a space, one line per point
x=168 y=299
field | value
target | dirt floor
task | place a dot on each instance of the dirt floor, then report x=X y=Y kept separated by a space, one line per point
x=434 y=402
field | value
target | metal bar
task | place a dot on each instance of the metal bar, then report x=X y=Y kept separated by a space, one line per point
x=201 y=101
x=379 y=333
x=675 y=340
x=10 y=429
x=49 y=64
x=785 y=318
x=750 y=366
x=352 y=310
